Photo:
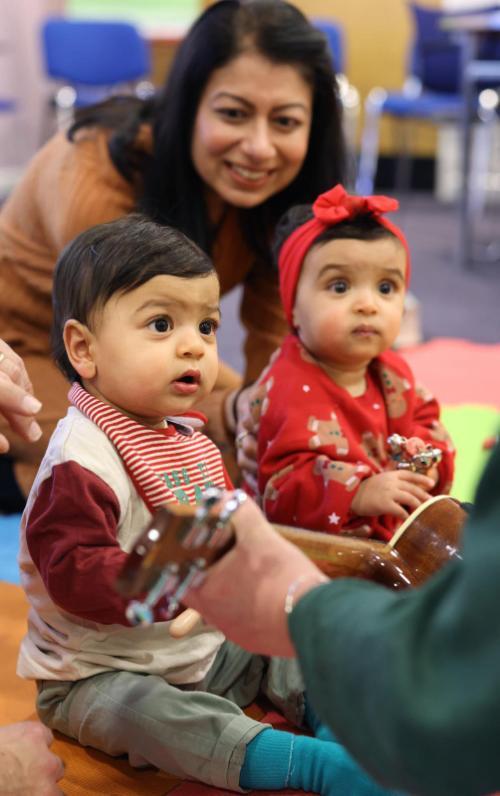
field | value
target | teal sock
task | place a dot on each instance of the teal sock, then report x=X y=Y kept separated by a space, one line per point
x=323 y=733
x=276 y=760
x=320 y=730
x=267 y=761
x=327 y=768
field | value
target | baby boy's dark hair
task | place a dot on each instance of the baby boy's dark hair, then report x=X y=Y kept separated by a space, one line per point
x=115 y=258
x=361 y=227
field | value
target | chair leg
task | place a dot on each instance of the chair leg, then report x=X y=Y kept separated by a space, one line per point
x=64 y=102
x=402 y=148
x=349 y=97
x=48 y=126
x=481 y=151
x=368 y=157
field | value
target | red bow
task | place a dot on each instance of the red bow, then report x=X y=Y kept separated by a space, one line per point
x=329 y=209
x=336 y=205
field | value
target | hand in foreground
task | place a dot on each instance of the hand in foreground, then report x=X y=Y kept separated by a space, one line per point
x=247 y=406
x=247 y=427
x=17 y=402
x=244 y=593
x=392 y=492
x=184 y=623
x=27 y=766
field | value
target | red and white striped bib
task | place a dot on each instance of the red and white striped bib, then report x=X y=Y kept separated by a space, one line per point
x=169 y=465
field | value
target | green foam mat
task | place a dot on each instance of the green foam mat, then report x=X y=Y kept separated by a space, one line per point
x=469 y=425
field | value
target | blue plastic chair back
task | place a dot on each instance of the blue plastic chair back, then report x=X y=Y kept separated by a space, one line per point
x=436 y=54
x=335 y=39
x=435 y=58
x=94 y=53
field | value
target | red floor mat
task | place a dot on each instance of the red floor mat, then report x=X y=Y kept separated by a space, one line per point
x=457 y=371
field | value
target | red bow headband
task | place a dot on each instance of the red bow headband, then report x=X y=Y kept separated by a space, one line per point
x=330 y=208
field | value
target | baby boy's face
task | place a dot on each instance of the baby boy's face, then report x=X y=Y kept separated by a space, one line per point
x=155 y=349
x=350 y=300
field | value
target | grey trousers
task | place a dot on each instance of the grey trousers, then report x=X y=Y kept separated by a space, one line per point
x=196 y=732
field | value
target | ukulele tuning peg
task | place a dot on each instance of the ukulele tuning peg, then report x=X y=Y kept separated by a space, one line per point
x=139 y=613
x=172 y=553
x=191 y=577
x=210 y=498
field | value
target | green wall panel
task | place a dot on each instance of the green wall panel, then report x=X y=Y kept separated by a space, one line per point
x=150 y=13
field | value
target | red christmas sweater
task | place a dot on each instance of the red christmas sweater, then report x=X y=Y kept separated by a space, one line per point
x=316 y=442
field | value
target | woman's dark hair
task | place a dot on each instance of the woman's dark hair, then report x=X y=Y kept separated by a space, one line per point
x=115 y=258
x=172 y=191
x=362 y=227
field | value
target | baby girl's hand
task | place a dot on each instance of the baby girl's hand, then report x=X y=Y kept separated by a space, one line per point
x=414 y=445
x=433 y=474
x=392 y=492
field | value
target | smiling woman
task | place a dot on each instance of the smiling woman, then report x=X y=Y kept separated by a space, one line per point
x=248 y=146
x=247 y=124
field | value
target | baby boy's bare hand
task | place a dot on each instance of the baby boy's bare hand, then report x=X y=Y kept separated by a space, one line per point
x=393 y=492
x=433 y=474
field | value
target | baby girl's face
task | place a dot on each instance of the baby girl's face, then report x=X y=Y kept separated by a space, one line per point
x=350 y=299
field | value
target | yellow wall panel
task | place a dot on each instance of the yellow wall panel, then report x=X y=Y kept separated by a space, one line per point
x=377 y=36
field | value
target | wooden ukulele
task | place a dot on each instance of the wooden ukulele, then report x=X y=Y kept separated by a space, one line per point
x=181 y=541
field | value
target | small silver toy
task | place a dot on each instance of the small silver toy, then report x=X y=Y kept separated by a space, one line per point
x=418 y=463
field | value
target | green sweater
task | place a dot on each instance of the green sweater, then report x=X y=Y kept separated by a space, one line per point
x=410 y=681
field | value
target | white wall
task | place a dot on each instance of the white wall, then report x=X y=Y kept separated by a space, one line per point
x=21 y=78
x=458 y=5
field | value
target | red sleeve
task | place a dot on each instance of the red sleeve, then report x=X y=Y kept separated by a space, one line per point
x=303 y=487
x=305 y=497
x=71 y=537
x=427 y=426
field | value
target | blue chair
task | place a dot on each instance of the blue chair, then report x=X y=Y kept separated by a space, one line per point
x=431 y=92
x=335 y=39
x=349 y=95
x=94 y=59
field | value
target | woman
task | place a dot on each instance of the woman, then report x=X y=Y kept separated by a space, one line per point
x=248 y=123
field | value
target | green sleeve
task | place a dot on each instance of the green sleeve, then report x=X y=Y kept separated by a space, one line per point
x=410 y=681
